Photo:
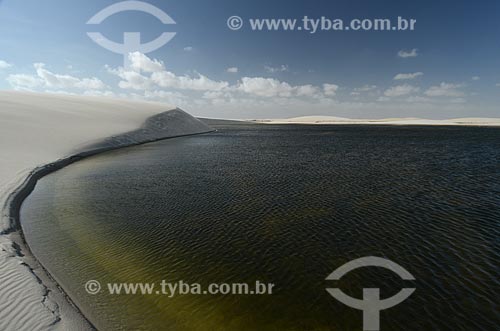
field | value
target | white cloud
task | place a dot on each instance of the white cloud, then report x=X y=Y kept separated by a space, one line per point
x=330 y=89
x=308 y=91
x=150 y=75
x=405 y=54
x=160 y=77
x=281 y=68
x=498 y=85
x=141 y=62
x=251 y=97
x=215 y=95
x=476 y=78
x=265 y=87
x=365 y=88
x=90 y=84
x=4 y=65
x=22 y=81
x=52 y=81
x=133 y=80
x=232 y=70
x=168 y=79
x=400 y=90
x=270 y=87
x=188 y=48
x=445 y=90
x=408 y=76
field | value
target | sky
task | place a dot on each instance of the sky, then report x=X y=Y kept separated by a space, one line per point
x=447 y=67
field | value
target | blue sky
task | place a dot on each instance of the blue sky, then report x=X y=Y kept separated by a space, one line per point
x=455 y=73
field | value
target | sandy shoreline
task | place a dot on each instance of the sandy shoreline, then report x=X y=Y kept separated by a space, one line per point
x=29 y=298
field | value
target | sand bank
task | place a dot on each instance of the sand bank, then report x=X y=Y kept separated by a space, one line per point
x=40 y=133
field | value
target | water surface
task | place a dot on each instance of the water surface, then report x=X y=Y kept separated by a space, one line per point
x=285 y=205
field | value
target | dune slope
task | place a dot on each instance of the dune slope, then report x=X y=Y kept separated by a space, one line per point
x=40 y=129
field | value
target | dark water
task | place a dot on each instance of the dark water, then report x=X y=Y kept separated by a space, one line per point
x=285 y=205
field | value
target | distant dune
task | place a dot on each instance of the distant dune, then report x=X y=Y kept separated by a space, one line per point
x=38 y=134
x=385 y=121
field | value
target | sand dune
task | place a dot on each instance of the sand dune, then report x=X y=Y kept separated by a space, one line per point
x=384 y=121
x=36 y=130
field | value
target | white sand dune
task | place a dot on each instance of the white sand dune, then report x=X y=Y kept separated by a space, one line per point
x=384 y=121
x=36 y=130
